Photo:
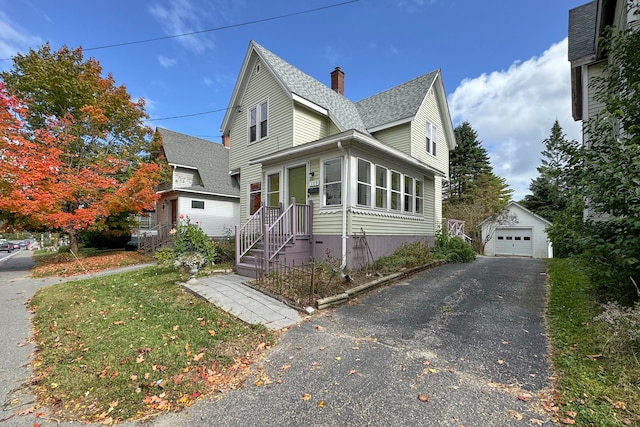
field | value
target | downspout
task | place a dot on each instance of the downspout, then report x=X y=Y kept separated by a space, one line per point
x=344 y=211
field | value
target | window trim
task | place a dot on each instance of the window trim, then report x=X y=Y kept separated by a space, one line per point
x=257 y=109
x=368 y=185
x=324 y=182
x=385 y=188
x=431 y=143
x=257 y=192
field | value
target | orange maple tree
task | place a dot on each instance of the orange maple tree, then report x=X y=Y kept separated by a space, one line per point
x=65 y=174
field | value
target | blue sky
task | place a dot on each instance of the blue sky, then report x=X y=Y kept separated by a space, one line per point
x=504 y=63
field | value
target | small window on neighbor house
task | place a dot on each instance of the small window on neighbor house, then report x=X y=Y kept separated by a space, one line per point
x=432 y=133
x=527 y=238
x=518 y=238
x=509 y=238
x=500 y=237
x=197 y=204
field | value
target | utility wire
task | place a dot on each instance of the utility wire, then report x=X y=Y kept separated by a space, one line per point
x=242 y=24
x=257 y=21
x=186 y=115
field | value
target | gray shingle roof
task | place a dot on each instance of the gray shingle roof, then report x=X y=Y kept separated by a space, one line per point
x=211 y=160
x=398 y=103
x=341 y=110
x=582 y=31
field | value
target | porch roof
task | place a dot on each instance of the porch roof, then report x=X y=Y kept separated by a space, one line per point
x=342 y=140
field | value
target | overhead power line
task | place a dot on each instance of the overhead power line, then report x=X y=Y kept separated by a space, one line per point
x=257 y=21
x=186 y=115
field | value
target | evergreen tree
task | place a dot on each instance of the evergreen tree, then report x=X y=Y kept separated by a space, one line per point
x=466 y=162
x=549 y=192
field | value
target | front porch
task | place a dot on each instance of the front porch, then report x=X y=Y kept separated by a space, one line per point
x=274 y=233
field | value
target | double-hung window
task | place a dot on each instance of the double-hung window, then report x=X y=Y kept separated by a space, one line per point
x=364 y=183
x=408 y=194
x=419 y=197
x=381 y=187
x=273 y=189
x=258 y=122
x=332 y=182
x=396 y=188
x=431 y=132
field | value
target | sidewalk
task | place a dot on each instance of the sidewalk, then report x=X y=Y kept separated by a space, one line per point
x=229 y=292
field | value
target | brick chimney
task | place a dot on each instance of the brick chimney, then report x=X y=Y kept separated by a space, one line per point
x=225 y=140
x=337 y=80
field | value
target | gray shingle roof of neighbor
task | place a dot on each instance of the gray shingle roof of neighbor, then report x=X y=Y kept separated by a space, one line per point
x=211 y=160
x=341 y=110
x=398 y=103
x=582 y=31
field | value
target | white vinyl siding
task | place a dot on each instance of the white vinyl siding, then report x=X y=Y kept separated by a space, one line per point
x=184 y=178
x=219 y=217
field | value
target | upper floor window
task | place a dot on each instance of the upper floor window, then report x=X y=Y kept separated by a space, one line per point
x=431 y=133
x=258 y=121
x=332 y=182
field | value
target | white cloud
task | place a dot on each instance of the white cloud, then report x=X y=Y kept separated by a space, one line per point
x=181 y=17
x=166 y=62
x=13 y=40
x=513 y=111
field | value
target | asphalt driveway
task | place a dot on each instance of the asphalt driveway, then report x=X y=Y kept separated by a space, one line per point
x=460 y=345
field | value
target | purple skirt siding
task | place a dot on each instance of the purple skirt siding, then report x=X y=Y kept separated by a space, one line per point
x=357 y=253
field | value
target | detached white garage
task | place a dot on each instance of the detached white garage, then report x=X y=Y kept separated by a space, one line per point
x=523 y=234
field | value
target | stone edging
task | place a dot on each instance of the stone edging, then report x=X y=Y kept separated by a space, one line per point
x=350 y=293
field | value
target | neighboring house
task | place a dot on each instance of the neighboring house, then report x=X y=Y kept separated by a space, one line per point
x=201 y=187
x=366 y=176
x=586 y=54
x=524 y=235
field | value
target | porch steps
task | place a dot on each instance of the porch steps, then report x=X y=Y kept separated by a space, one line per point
x=298 y=252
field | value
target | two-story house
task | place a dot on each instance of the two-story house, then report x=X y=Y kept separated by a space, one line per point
x=321 y=175
x=587 y=56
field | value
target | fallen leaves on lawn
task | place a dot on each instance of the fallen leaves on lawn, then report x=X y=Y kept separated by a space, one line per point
x=306 y=396
x=61 y=266
x=423 y=398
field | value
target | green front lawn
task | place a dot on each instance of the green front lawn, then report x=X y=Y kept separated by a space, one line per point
x=598 y=375
x=128 y=345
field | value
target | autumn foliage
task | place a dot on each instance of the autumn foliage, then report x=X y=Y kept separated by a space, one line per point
x=72 y=144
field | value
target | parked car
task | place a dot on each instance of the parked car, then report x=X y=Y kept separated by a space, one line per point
x=16 y=245
x=6 y=246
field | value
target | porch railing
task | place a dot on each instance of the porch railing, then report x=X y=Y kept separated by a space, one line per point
x=274 y=227
x=455 y=227
x=150 y=240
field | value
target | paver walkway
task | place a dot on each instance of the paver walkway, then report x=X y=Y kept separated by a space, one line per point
x=229 y=292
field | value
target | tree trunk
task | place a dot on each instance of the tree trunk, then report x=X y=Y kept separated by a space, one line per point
x=73 y=240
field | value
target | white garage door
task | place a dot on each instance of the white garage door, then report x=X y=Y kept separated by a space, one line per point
x=514 y=241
